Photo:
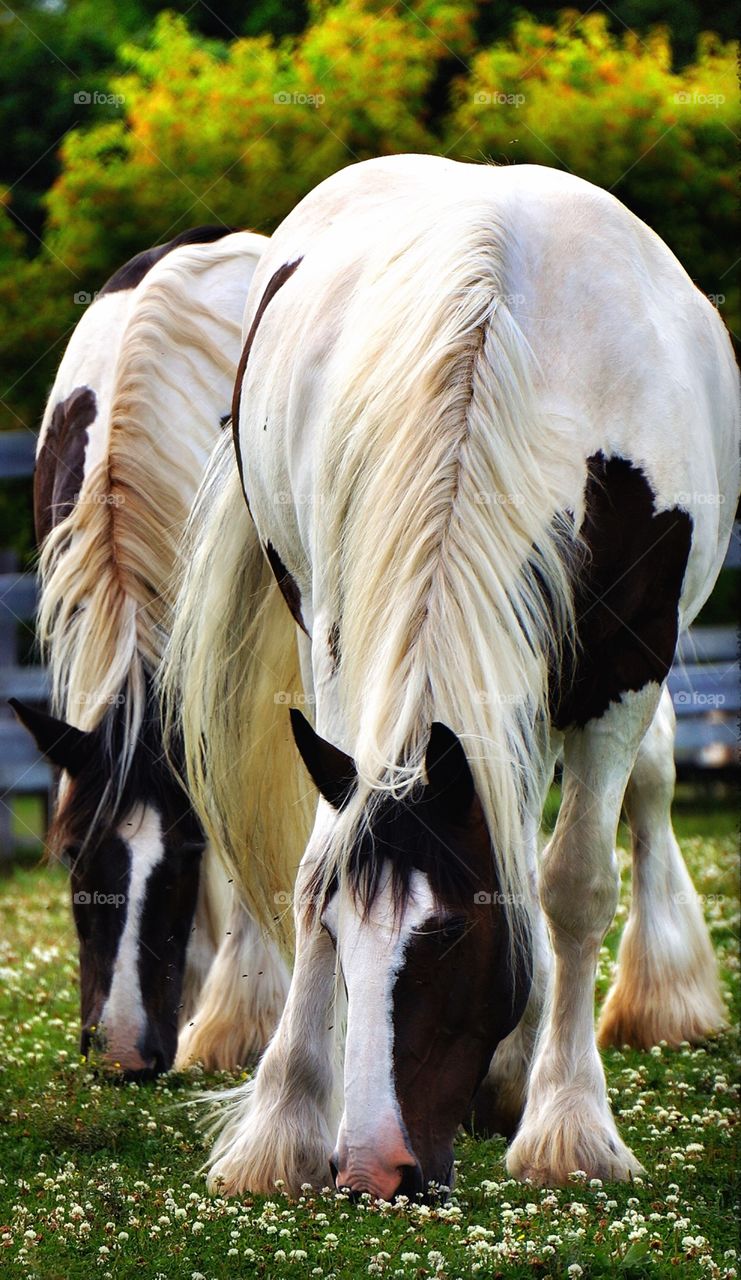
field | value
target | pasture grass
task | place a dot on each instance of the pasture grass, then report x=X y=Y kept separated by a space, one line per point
x=101 y=1180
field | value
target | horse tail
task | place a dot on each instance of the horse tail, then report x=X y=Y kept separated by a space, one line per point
x=453 y=582
x=230 y=665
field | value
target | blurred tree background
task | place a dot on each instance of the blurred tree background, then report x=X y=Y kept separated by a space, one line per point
x=124 y=122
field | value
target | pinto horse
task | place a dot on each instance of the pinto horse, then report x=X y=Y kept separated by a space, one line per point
x=478 y=418
x=137 y=405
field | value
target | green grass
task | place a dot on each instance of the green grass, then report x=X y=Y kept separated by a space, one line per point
x=102 y=1180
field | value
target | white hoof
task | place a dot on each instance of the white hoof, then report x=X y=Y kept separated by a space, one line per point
x=263 y=1147
x=567 y=1133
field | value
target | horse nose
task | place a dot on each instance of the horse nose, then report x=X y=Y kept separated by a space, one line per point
x=131 y=1061
x=381 y=1183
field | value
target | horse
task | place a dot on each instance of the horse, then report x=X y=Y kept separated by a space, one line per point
x=139 y=400
x=487 y=430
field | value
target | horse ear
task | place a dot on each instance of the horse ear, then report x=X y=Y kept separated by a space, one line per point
x=333 y=772
x=449 y=779
x=62 y=744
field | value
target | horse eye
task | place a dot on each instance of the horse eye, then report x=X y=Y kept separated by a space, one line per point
x=454 y=928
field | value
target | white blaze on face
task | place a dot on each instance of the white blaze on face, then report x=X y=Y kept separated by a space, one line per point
x=371 y=1145
x=123 y=1018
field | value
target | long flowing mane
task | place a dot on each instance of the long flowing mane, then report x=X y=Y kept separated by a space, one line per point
x=106 y=568
x=449 y=565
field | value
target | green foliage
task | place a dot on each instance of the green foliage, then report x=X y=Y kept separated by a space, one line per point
x=189 y=123
x=239 y=133
x=611 y=109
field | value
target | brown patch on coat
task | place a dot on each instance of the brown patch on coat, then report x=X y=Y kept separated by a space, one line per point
x=627 y=592
x=60 y=465
x=133 y=272
x=287 y=584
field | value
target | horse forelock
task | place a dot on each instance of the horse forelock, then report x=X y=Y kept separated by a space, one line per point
x=120 y=775
x=392 y=838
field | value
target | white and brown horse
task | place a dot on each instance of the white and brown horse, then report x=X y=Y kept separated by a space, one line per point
x=140 y=399
x=488 y=431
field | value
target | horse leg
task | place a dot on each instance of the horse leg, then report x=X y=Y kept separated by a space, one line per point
x=241 y=1001
x=567 y=1123
x=276 y=1128
x=667 y=984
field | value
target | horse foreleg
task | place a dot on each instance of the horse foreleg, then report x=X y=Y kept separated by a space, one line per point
x=276 y=1128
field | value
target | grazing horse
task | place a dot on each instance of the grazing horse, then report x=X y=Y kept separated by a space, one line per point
x=487 y=429
x=139 y=401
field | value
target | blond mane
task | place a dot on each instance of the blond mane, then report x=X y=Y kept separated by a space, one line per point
x=106 y=569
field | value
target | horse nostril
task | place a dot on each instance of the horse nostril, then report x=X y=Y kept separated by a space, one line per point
x=412 y=1182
